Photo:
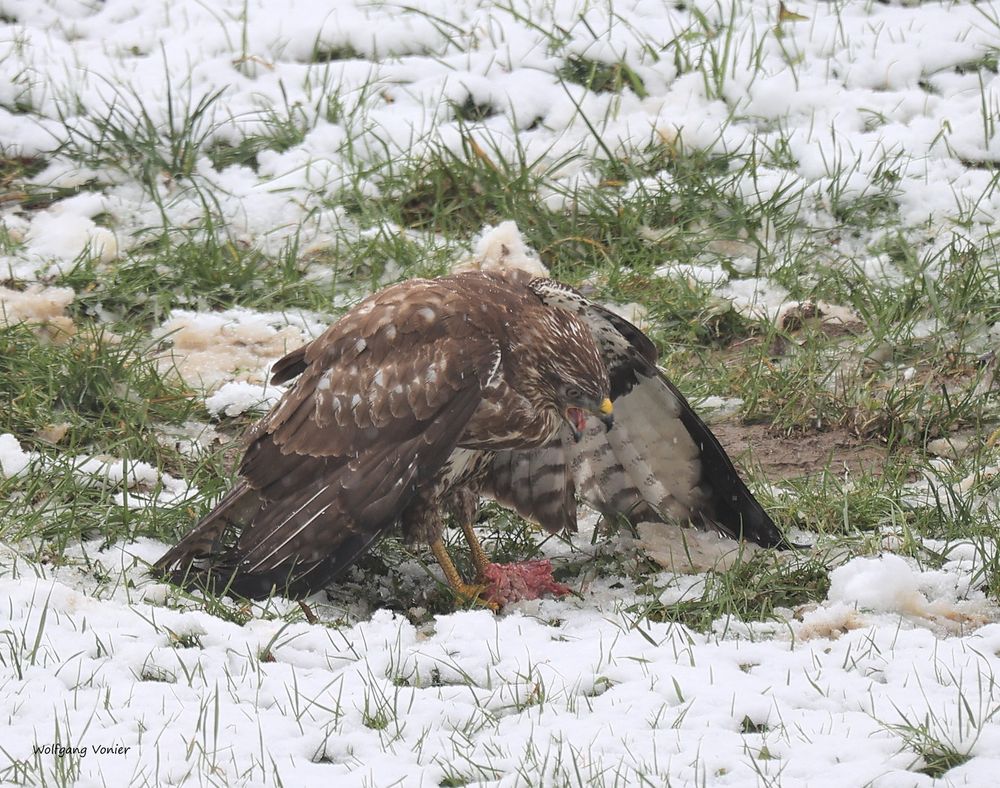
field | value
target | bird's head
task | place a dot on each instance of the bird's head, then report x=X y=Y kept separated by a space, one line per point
x=572 y=377
x=578 y=404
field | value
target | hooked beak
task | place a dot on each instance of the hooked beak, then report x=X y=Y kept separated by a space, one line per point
x=577 y=418
x=607 y=416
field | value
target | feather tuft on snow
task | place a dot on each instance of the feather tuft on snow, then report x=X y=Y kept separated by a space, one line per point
x=686 y=550
x=502 y=248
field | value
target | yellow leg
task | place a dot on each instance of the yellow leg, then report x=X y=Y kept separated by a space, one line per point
x=479 y=558
x=459 y=586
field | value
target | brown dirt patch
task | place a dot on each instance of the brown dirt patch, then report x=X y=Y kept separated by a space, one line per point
x=788 y=457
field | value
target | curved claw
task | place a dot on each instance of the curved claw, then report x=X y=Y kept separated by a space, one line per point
x=474 y=594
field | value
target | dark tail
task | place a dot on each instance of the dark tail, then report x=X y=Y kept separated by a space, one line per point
x=737 y=512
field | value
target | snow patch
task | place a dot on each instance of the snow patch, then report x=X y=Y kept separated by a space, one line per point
x=232 y=399
x=889 y=584
x=886 y=584
x=44 y=307
x=13 y=459
x=65 y=231
x=687 y=550
x=207 y=350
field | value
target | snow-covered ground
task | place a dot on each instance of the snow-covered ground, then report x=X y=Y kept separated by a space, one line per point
x=553 y=692
x=857 y=95
x=893 y=674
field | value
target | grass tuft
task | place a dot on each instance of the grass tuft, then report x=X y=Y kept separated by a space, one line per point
x=602 y=77
x=751 y=590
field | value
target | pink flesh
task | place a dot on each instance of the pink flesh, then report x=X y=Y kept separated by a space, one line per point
x=578 y=418
x=525 y=580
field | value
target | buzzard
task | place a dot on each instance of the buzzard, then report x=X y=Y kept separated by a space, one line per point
x=434 y=392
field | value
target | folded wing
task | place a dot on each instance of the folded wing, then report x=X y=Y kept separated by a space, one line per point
x=659 y=462
x=330 y=470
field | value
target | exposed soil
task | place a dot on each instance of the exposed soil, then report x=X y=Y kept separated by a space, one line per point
x=787 y=457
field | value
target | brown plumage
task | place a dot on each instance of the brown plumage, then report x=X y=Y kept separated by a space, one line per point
x=433 y=392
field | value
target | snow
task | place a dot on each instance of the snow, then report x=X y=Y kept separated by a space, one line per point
x=839 y=85
x=13 y=459
x=502 y=246
x=578 y=690
x=66 y=230
x=208 y=350
x=238 y=397
x=40 y=306
x=142 y=484
x=685 y=550
x=880 y=584
x=566 y=686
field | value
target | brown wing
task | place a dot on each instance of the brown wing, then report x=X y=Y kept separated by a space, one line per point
x=382 y=398
x=659 y=461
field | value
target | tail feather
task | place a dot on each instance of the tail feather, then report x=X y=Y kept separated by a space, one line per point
x=662 y=459
x=208 y=538
x=210 y=558
x=737 y=511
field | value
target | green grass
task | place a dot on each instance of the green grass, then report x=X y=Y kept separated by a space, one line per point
x=751 y=590
x=412 y=214
x=135 y=139
x=914 y=367
x=97 y=382
x=602 y=77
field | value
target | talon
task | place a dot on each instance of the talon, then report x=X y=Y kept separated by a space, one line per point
x=464 y=591
x=473 y=594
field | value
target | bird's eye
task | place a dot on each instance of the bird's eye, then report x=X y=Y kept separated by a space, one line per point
x=573 y=393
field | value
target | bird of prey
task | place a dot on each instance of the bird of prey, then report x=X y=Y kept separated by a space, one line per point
x=434 y=392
